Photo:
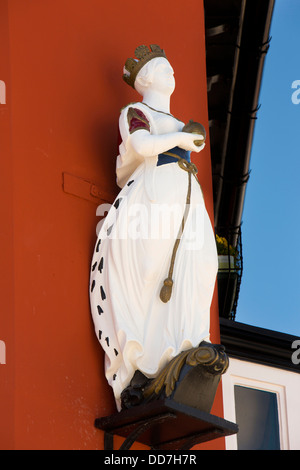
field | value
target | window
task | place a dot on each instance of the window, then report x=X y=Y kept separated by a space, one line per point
x=257 y=416
x=249 y=388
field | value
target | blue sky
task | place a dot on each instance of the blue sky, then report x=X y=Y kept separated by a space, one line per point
x=270 y=289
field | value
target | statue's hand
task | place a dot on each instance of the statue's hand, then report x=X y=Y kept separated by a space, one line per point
x=148 y=145
x=190 y=142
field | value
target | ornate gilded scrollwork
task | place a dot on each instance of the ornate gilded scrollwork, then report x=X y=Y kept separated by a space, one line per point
x=211 y=358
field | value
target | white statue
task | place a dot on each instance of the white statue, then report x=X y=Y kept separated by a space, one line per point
x=143 y=241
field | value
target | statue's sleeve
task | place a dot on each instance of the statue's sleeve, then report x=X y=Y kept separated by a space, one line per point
x=131 y=120
x=137 y=120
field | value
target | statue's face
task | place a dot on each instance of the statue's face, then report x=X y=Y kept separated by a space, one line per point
x=163 y=78
x=156 y=75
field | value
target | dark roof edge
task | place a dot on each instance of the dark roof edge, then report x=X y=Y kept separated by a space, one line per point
x=265 y=40
x=254 y=344
x=247 y=90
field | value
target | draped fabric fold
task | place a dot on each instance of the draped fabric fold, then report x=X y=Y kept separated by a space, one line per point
x=132 y=257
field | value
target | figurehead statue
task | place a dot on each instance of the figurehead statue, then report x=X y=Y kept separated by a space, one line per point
x=155 y=263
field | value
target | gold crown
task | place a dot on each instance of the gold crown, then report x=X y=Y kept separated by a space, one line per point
x=143 y=54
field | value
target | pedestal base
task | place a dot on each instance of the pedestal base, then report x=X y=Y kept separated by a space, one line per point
x=190 y=378
x=164 y=425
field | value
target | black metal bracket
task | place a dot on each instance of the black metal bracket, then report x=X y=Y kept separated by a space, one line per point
x=163 y=425
x=139 y=430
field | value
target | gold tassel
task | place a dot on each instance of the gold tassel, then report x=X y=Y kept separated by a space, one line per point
x=166 y=290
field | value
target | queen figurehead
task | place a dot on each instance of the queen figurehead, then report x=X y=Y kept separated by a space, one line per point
x=154 y=266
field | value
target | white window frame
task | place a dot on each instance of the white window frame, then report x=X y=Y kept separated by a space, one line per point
x=285 y=384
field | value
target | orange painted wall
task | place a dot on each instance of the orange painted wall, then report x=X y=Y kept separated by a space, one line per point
x=62 y=64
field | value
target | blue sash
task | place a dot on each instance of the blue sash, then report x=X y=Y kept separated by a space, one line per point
x=163 y=159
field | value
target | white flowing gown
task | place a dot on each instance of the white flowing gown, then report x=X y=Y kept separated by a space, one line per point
x=132 y=257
